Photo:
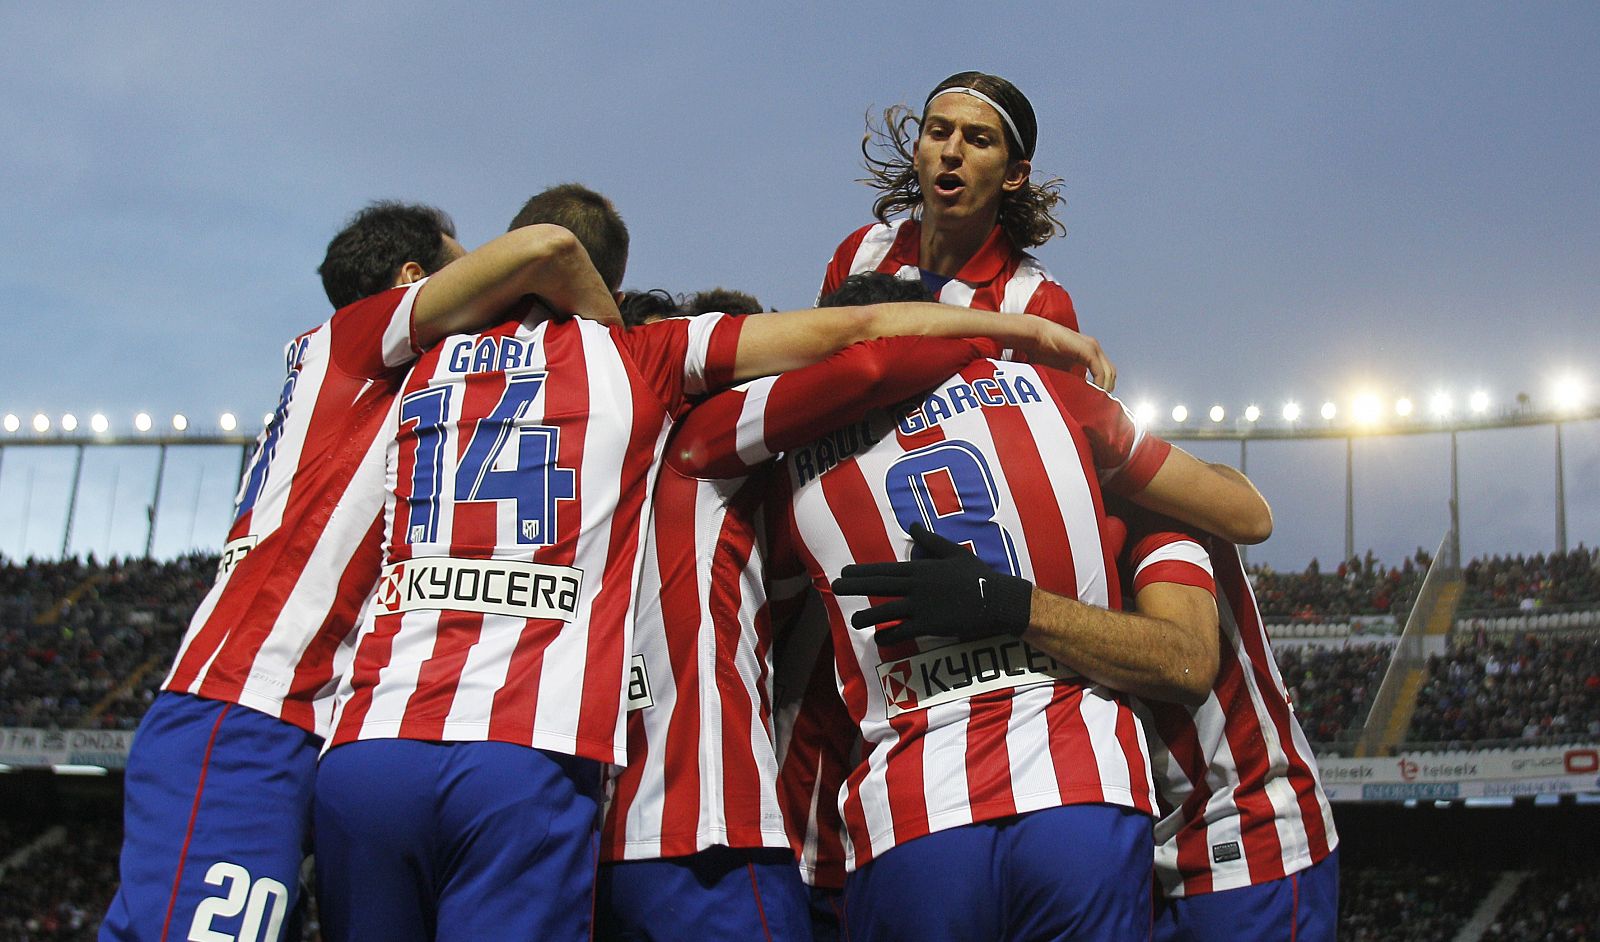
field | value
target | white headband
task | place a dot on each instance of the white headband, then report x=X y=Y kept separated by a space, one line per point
x=963 y=90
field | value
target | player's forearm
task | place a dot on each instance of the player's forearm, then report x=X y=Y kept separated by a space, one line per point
x=480 y=288
x=1213 y=497
x=1148 y=657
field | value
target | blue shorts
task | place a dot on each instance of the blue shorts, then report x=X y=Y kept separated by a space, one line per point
x=1076 y=872
x=719 y=893
x=465 y=840
x=216 y=819
x=827 y=913
x=1302 y=907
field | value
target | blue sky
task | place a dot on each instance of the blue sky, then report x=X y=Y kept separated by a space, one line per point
x=1264 y=202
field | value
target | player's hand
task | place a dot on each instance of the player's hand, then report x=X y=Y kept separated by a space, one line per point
x=948 y=593
x=1066 y=349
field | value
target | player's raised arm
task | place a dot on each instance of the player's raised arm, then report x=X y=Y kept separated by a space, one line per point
x=772 y=343
x=475 y=290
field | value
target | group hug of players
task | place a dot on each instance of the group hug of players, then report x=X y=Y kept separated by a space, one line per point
x=873 y=621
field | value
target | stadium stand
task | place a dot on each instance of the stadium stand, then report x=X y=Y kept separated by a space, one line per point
x=1551 y=904
x=1360 y=586
x=1413 y=902
x=84 y=644
x=61 y=887
x=1331 y=688
x=1533 y=687
x=1530 y=583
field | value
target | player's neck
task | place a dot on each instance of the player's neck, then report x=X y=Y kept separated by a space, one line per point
x=948 y=244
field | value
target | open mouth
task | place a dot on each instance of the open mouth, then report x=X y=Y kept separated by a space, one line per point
x=947 y=184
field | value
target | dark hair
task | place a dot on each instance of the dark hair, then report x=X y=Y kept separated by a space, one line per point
x=590 y=217
x=1027 y=214
x=642 y=307
x=875 y=287
x=725 y=300
x=367 y=254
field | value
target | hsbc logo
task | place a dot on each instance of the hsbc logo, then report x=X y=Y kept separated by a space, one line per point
x=958 y=671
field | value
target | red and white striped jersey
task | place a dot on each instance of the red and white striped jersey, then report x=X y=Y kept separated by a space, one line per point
x=817 y=748
x=302 y=554
x=1240 y=797
x=998 y=458
x=701 y=765
x=701 y=768
x=517 y=480
x=998 y=277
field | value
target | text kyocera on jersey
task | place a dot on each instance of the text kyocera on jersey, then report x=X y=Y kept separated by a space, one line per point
x=492 y=354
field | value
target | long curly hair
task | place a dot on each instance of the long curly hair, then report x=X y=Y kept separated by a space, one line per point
x=1027 y=215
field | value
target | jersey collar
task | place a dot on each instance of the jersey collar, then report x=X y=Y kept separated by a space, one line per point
x=985 y=265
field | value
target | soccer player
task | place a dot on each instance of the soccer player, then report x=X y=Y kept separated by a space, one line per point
x=488 y=685
x=694 y=842
x=218 y=785
x=985 y=757
x=964 y=177
x=1245 y=842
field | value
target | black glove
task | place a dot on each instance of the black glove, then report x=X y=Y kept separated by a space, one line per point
x=951 y=594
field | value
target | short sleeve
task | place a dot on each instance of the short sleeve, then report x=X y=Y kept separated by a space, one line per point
x=1051 y=302
x=373 y=336
x=1160 y=549
x=683 y=356
x=843 y=258
x=1125 y=456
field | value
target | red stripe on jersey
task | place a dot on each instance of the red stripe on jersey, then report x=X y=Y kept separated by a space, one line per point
x=680 y=614
x=1261 y=847
x=839 y=266
x=742 y=788
x=314 y=673
x=511 y=716
x=609 y=632
x=1071 y=749
x=1253 y=635
x=1182 y=740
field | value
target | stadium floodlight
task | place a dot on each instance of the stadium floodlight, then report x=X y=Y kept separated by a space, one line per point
x=1329 y=410
x=142 y=421
x=228 y=422
x=69 y=423
x=1291 y=412
x=180 y=422
x=1567 y=392
x=1403 y=407
x=1440 y=405
x=12 y=422
x=99 y=423
x=1366 y=409
x=1180 y=413
x=1252 y=413
x=1479 y=402
x=1218 y=413
x=1145 y=412
x=41 y=423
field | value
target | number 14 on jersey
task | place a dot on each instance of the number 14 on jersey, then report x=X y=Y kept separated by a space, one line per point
x=503 y=460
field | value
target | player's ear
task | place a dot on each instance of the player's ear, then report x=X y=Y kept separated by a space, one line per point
x=1016 y=175
x=410 y=273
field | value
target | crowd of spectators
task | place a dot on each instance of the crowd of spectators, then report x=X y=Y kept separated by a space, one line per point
x=1414 y=903
x=60 y=892
x=1543 y=687
x=1530 y=583
x=1358 y=586
x=1331 y=688
x=1553 y=905
x=72 y=634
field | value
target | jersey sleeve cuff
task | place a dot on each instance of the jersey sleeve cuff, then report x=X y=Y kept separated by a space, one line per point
x=1148 y=457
